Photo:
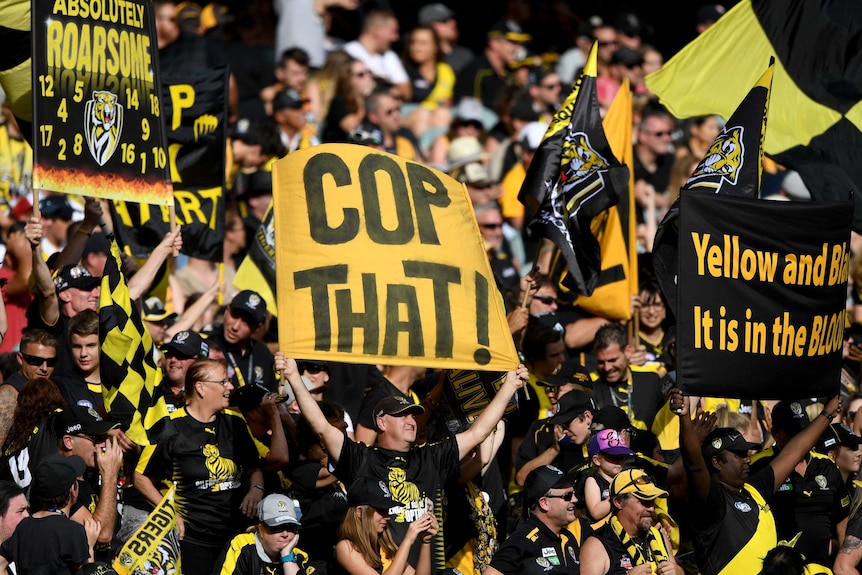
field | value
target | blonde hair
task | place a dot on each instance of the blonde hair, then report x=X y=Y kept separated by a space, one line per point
x=361 y=534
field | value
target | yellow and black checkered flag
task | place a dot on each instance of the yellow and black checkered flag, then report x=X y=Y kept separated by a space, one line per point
x=128 y=368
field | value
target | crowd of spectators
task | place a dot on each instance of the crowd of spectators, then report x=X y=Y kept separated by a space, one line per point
x=303 y=465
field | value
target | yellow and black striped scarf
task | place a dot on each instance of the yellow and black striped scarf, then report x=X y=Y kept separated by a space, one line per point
x=655 y=552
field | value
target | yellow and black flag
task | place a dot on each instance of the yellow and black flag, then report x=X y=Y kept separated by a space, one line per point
x=573 y=177
x=257 y=269
x=731 y=166
x=127 y=365
x=155 y=546
x=815 y=126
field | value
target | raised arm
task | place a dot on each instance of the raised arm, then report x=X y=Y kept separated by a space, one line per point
x=75 y=244
x=332 y=437
x=487 y=421
x=691 y=434
x=801 y=443
x=49 y=305
x=140 y=283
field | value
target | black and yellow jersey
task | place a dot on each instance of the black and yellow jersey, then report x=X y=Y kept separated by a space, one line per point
x=640 y=396
x=533 y=549
x=245 y=556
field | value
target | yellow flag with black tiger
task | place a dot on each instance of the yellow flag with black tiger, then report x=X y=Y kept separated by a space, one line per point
x=128 y=368
x=155 y=546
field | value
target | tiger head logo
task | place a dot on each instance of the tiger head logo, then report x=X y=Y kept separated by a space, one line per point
x=724 y=158
x=580 y=158
x=103 y=117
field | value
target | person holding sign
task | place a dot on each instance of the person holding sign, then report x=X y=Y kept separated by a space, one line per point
x=412 y=472
x=730 y=511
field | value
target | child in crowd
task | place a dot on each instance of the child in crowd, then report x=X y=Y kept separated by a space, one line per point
x=608 y=452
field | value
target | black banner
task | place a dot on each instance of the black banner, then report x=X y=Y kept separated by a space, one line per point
x=195 y=109
x=96 y=108
x=762 y=295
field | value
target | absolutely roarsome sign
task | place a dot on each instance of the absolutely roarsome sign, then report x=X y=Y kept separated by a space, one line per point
x=97 y=124
x=380 y=259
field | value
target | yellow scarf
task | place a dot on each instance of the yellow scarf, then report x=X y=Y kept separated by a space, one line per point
x=655 y=552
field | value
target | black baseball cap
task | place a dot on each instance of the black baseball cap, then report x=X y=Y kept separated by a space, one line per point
x=75 y=276
x=249 y=396
x=541 y=480
x=288 y=98
x=572 y=372
x=396 y=406
x=610 y=417
x=188 y=344
x=56 y=207
x=373 y=492
x=77 y=419
x=55 y=475
x=250 y=303
x=725 y=439
x=509 y=30
x=837 y=434
x=571 y=405
x=97 y=243
x=789 y=416
x=154 y=310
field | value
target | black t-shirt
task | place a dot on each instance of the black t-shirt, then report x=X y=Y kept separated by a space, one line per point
x=255 y=365
x=332 y=132
x=479 y=80
x=53 y=541
x=208 y=462
x=323 y=509
x=641 y=397
x=412 y=476
x=728 y=520
x=533 y=549
x=77 y=391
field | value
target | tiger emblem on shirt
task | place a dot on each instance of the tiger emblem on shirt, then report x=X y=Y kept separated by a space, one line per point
x=724 y=158
x=103 y=117
x=219 y=468
x=403 y=491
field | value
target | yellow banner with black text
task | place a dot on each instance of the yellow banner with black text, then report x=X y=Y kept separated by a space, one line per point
x=380 y=261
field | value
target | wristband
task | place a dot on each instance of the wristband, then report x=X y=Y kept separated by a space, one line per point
x=827 y=415
x=258 y=486
x=80 y=230
x=289 y=558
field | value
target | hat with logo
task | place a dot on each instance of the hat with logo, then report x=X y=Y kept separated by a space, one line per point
x=75 y=276
x=288 y=98
x=789 y=416
x=276 y=509
x=608 y=441
x=154 y=310
x=250 y=302
x=541 y=480
x=509 y=30
x=77 y=419
x=56 y=207
x=248 y=397
x=188 y=344
x=571 y=405
x=570 y=372
x=709 y=13
x=725 y=439
x=55 y=475
x=396 y=406
x=637 y=483
x=366 y=134
x=835 y=435
x=435 y=12
x=372 y=492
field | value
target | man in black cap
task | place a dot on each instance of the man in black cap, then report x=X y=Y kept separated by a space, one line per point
x=412 y=472
x=48 y=539
x=560 y=439
x=179 y=353
x=629 y=542
x=288 y=111
x=542 y=542
x=730 y=511
x=486 y=76
x=441 y=19
x=249 y=360
x=813 y=499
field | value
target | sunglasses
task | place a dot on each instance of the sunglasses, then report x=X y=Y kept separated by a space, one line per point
x=282 y=528
x=661 y=134
x=312 y=368
x=545 y=299
x=551 y=86
x=491 y=226
x=567 y=496
x=36 y=361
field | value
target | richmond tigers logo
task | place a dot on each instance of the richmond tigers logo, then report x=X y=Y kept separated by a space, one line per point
x=580 y=159
x=403 y=491
x=103 y=124
x=220 y=469
x=724 y=159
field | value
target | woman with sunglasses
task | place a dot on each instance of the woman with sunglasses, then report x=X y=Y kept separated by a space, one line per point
x=364 y=540
x=214 y=462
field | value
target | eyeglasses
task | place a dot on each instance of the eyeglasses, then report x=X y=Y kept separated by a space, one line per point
x=546 y=299
x=659 y=134
x=36 y=361
x=224 y=382
x=95 y=439
x=491 y=226
x=567 y=496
